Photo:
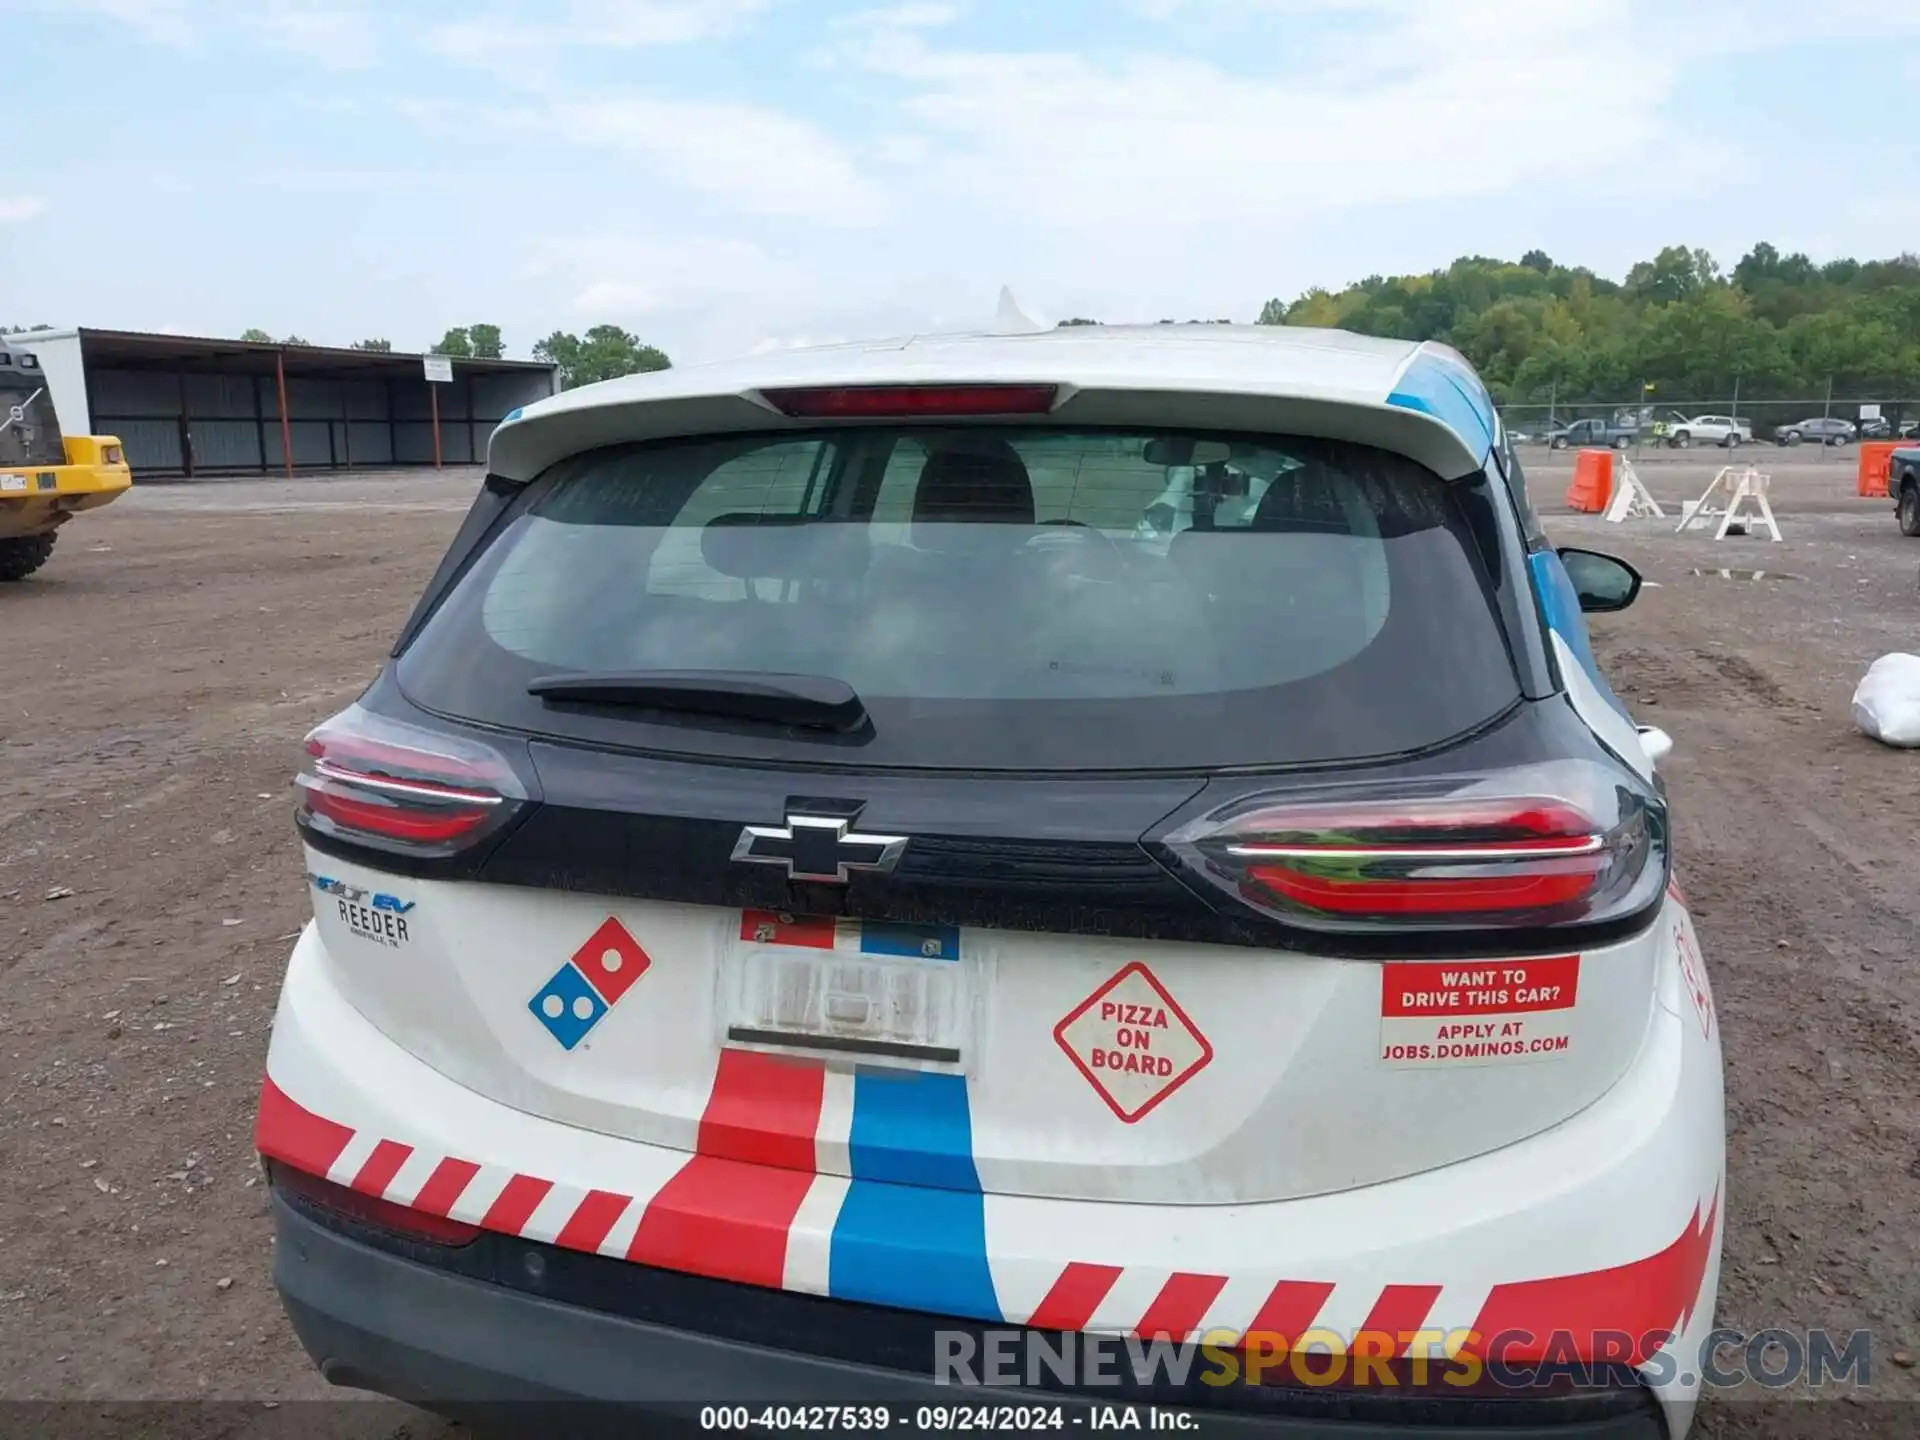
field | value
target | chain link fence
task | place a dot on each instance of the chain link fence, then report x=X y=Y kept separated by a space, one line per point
x=1658 y=422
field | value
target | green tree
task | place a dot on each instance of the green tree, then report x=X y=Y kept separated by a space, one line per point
x=381 y=346
x=485 y=340
x=295 y=340
x=457 y=343
x=603 y=353
x=1676 y=273
x=256 y=336
x=1779 y=326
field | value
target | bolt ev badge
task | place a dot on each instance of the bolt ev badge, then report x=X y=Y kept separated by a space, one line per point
x=821 y=848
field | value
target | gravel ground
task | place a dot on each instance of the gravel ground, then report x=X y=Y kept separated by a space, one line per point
x=159 y=673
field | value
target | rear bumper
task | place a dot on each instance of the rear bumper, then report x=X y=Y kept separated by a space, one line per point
x=376 y=1320
x=1606 y=1225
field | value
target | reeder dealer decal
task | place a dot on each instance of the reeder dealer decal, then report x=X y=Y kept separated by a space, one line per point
x=379 y=918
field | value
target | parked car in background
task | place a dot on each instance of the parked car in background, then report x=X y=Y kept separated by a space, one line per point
x=1903 y=483
x=1593 y=432
x=1877 y=428
x=1723 y=430
x=1820 y=430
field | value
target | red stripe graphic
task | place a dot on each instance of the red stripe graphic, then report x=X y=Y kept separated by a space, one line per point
x=767 y=927
x=445 y=1186
x=510 y=1213
x=592 y=1219
x=729 y=1217
x=724 y=1219
x=382 y=1165
x=294 y=1135
x=1644 y=1300
x=1070 y=1304
x=1399 y=1311
x=764 y=1110
x=1289 y=1311
x=1176 y=1311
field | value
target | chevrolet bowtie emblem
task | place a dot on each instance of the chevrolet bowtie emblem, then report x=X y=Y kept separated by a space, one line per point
x=820 y=848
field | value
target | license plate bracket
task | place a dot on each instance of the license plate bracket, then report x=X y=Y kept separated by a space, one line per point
x=893 y=994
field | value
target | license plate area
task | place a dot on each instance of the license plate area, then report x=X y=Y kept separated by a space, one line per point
x=892 y=994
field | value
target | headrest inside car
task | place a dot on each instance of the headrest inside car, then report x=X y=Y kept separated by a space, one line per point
x=983 y=483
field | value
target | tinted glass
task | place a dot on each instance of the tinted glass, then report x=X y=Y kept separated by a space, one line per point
x=1003 y=599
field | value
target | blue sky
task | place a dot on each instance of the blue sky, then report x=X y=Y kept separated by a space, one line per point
x=725 y=175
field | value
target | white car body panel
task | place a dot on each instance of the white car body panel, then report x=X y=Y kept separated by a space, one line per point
x=1297 y=1097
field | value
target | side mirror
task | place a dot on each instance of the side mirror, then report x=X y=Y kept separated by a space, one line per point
x=1602 y=582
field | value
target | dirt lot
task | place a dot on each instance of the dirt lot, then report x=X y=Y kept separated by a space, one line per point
x=160 y=672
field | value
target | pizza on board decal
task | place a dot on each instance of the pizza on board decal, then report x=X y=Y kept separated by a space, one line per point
x=1133 y=1042
x=1484 y=1012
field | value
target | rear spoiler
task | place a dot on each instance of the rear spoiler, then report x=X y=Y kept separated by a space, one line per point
x=1430 y=417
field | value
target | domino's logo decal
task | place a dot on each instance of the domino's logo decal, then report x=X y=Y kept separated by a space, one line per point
x=590 y=984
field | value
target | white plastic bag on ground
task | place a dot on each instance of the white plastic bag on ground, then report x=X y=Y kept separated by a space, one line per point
x=1887 y=704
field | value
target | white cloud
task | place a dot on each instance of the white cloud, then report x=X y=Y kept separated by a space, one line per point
x=630 y=276
x=914 y=15
x=1146 y=146
x=731 y=199
x=531 y=39
x=761 y=160
x=165 y=21
x=332 y=36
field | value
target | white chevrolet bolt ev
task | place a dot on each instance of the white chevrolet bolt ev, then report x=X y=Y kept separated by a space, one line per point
x=820 y=896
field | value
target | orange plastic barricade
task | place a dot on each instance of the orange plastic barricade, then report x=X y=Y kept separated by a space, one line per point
x=1876 y=464
x=1592 y=487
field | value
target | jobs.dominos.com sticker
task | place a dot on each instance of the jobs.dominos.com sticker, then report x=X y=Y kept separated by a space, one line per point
x=1500 y=1012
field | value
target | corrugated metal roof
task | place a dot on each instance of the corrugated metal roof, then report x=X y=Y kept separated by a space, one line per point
x=151 y=345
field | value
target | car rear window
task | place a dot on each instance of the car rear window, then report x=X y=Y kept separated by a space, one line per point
x=1000 y=598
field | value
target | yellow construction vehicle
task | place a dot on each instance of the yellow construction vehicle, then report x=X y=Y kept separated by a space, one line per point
x=45 y=477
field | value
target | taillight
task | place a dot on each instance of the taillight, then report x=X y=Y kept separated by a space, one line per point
x=396 y=787
x=895 y=402
x=1552 y=845
x=112 y=455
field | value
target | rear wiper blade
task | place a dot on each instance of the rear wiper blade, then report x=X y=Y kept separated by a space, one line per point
x=816 y=702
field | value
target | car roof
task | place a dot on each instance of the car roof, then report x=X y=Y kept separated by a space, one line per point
x=1419 y=400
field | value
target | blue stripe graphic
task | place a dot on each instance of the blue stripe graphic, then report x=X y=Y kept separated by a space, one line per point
x=918 y=942
x=913 y=1129
x=912 y=1231
x=1449 y=391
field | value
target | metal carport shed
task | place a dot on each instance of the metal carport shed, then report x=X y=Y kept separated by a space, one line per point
x=189 y=406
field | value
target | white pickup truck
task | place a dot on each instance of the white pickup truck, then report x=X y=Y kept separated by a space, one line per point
x=1723 y=430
